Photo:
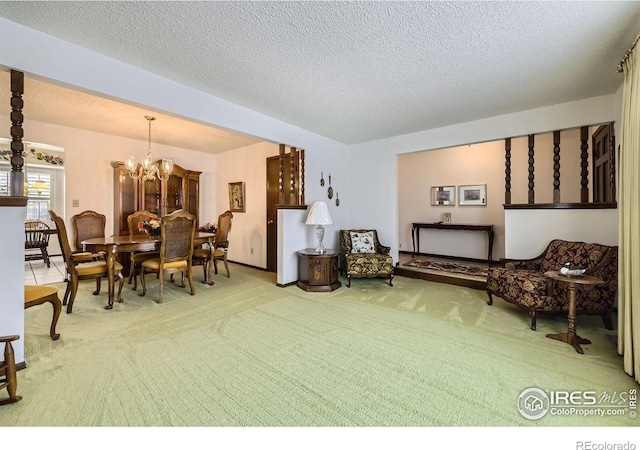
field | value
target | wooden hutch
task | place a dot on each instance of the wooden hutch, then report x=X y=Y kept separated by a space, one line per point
x=180 y=191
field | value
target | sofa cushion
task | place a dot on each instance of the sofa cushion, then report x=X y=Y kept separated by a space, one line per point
x=359 y=264
x=362 y=242
x=578 y=253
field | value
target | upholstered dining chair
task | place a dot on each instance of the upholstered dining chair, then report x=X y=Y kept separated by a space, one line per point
x=137 y=259
x=176 y=250
x=8 y=367
x=86 y=225
x=79 y=269
x=36 y=238
x=221 y=246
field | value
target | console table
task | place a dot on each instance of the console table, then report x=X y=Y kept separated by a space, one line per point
x=415 y=233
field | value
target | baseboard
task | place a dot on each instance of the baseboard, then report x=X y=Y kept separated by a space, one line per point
x=247 y=265
x=286 y=284
x=19 y=366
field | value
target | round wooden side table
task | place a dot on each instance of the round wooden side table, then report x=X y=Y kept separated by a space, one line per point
x=571 y=337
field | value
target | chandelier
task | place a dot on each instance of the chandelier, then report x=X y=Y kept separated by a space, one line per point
x=148 y=170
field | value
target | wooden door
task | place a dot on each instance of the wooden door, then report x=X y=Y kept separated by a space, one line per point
x=273 y=187
x=603 y=146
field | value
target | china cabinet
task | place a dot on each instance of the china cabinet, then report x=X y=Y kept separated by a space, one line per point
x=180 y=191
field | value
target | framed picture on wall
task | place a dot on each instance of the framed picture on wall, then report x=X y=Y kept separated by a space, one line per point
x=472 y=195
x=443 y=195
x=236 y=197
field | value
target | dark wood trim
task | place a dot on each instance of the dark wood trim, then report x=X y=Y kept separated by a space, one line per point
x=293 y=283
x=281 y=175
x=473 y=284
x=531 y=194
x=291 y=206
x=301 y=152
x=556 y=166
x=16 y=181
x=10 y=201
x=612 y=166
x=507 y=171
x=562 y=206
x=584 y=164
x=293 y=198
x=19 y=366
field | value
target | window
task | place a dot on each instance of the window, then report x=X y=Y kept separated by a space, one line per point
x=39 y=193
x=38 y=187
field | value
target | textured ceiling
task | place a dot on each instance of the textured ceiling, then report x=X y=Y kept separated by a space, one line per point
x=358 y=71
x=49 y=103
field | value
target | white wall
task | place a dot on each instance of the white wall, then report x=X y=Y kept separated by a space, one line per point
x=480 y=164
x=374 y=170
x=88 y=171
x=248 y=238
x=540 y=226
x=465 y=165
x=12 y=277
x=291 y=229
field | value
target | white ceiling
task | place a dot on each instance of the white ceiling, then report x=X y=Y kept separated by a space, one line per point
x=351 y=71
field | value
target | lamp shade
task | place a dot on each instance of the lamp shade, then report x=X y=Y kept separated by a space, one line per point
x=319 y=214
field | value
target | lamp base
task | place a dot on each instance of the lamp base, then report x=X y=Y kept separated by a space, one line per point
x=320 y=235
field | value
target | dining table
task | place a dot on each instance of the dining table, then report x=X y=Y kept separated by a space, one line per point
x=112 y=245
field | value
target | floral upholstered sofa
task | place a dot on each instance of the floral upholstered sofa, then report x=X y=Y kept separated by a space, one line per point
x=362 y=255
x=523 y=283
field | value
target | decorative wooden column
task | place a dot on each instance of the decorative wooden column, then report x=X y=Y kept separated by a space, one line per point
x=556 y=167
x=17 y=148
x=507 y=171
x=281 y=177
x=532 y=196
x=301 y=196
x=293 y=171
x=293 y=197
x=612 y=167
x=584 y=164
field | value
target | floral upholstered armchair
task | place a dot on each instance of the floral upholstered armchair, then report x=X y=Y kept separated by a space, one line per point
x=523 y=283
x=362 y=255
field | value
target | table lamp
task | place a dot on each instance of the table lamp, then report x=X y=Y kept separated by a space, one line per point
x=319 y=215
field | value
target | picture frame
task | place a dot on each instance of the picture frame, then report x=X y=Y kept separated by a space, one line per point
x=472 y=195
x=443 y=195
x=237 y=197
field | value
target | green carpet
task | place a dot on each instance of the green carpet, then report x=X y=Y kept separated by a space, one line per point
x=247 y=353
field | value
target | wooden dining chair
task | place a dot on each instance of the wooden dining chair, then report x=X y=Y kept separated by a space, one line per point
x=87 y=225
x=136 y=259
x=220 y=246
x=8 y=366
x=81 y=270
x=36 y=238
x=176 y=250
